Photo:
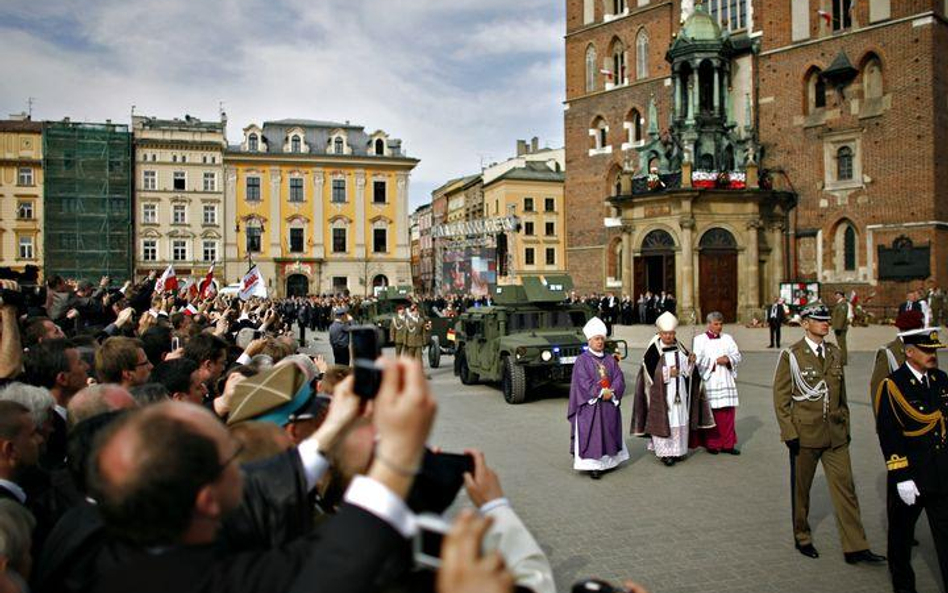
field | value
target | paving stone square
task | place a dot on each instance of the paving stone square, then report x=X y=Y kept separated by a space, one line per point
x=712 y=523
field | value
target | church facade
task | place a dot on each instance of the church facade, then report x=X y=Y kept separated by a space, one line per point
x=733 y=147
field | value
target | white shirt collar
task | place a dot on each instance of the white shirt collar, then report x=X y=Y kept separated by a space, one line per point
x=596 y=354
x=813 y=345
x=14 y=489
x=918 y=375
x=60 y=410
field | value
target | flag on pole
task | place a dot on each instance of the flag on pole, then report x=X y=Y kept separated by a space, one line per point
x=608 y=73
x=252 y=285
x=207 y=289
x=825 y=16
x=185 y=286
x=167 y=281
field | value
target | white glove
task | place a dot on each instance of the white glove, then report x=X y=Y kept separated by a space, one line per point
x=907 y=491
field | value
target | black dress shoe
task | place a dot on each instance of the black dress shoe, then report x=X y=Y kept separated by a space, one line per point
x=808 y=550
x=732 y=451
x=863 y=556
x=714 y=451
x=669 y=461
x=595 y=474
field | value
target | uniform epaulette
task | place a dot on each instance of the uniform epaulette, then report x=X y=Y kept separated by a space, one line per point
x=895 y=462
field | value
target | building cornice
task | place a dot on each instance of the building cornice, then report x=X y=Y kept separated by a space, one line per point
x=631 y=85
x=324 y=160
x=632 y=13
x=846 y=34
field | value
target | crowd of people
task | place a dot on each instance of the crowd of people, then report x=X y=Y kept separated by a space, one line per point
x=186 y=444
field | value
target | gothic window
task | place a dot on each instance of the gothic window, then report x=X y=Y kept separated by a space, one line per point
x=844 y=163
x=618 y=6
x=635 y=128
x=589 y=11
x=641 y=55
x=706 y=86
x=618 y=62
x=599 y=134
x=729 y=14
x=849 y=248
x=872 y=79
x=590 y=68
x=842 y=14
x=815 y=91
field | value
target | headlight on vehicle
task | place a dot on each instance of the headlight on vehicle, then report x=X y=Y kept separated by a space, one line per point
x=520 y=352
x=546 y=355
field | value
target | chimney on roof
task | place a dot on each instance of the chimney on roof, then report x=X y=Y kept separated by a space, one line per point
x=521 y=147
x=534 y=145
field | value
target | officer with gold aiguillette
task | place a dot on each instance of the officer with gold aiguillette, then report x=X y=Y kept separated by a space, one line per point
x=911 y=407
x=813 y=414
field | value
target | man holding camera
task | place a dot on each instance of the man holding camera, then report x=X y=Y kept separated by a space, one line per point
x=813 y=414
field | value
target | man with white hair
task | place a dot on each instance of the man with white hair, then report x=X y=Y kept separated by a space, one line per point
x=597 y=386
x=716 y=360
x=668 y=401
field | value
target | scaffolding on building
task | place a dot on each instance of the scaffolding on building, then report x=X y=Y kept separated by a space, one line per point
x=88 y=200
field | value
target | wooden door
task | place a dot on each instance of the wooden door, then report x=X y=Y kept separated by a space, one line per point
x=718 y=288
x=638 y=277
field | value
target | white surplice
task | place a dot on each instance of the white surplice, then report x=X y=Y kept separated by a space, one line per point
x=719 y=381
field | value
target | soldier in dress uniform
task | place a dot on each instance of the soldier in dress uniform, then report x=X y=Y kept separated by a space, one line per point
x=813 y=414
x=911 y=406
x=397 y=330
x=841 y=317
x=891 y=356
x=414 y=332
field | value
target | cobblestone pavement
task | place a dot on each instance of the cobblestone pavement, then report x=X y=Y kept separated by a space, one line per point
x=711 y=524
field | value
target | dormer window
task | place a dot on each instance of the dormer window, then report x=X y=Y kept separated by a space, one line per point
x=295 y=144
x=252 y=142
x=338 y=146
x=379 y=147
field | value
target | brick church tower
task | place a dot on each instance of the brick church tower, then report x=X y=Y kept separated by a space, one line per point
x=834 y=109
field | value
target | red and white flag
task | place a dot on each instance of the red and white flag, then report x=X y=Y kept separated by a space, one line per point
x=825 y=16
x=167 y=281
x=252 y=285
x=608 y=73
x=207 y=289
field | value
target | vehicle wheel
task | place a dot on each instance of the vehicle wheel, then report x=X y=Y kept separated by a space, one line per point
x=457 y=361
x=434 y=352
x=467 y=377
x=514 y=382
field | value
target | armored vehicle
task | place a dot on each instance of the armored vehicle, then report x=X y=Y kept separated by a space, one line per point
x=380 y=312
x=529 y=337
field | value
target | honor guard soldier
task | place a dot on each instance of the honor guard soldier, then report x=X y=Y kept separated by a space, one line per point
x=414 y=332
x=811 y=408
x=399 y=330
x=911 y=406
x=891 y=356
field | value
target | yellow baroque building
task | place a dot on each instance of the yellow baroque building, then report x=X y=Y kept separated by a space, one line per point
x=21 y=193
x=320 y=207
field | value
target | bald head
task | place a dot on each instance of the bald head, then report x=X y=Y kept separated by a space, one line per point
x=98 y=399
x=163 y=475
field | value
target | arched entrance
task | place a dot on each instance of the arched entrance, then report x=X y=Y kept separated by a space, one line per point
x=380 y=281
x=654 y=269
x=297 y=285
x=717 y=269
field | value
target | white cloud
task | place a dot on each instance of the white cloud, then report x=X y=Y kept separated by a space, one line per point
x=455 y=80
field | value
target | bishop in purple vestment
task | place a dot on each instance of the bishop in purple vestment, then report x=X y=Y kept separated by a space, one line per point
x=596 y=439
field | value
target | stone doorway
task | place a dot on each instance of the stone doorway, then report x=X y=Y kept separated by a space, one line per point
x=297 y=285
x=717 y=271
x=654 y=269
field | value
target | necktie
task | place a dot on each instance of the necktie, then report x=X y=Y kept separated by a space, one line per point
x=819 y=353
x=925 y=380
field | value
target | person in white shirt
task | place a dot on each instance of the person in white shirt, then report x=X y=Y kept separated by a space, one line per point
x=716 y=360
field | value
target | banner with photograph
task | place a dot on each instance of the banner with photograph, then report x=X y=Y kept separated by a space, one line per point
x=469 y=270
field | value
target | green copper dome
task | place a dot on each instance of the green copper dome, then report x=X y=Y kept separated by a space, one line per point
x=700 y=26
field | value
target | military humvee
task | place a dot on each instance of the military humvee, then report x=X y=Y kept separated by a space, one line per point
x=380 y=312
x=529 y=336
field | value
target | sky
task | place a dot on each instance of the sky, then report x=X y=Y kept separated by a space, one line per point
x=459 y=81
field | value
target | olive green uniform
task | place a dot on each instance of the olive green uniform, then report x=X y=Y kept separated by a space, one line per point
x=885 y=365
x=398 y=332
x=821 y=424
x=840 y=323
x=414 y=336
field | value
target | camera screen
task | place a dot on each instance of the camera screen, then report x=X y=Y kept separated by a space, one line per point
x=431 y=543
x=365 y=343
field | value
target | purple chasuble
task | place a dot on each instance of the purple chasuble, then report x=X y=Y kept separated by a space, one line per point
x=598 y=425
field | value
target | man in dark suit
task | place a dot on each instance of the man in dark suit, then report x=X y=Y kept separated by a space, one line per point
x=165 y=479
x=20 y=442
x=911 y=406
x=776 y=314
x=911 y=303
